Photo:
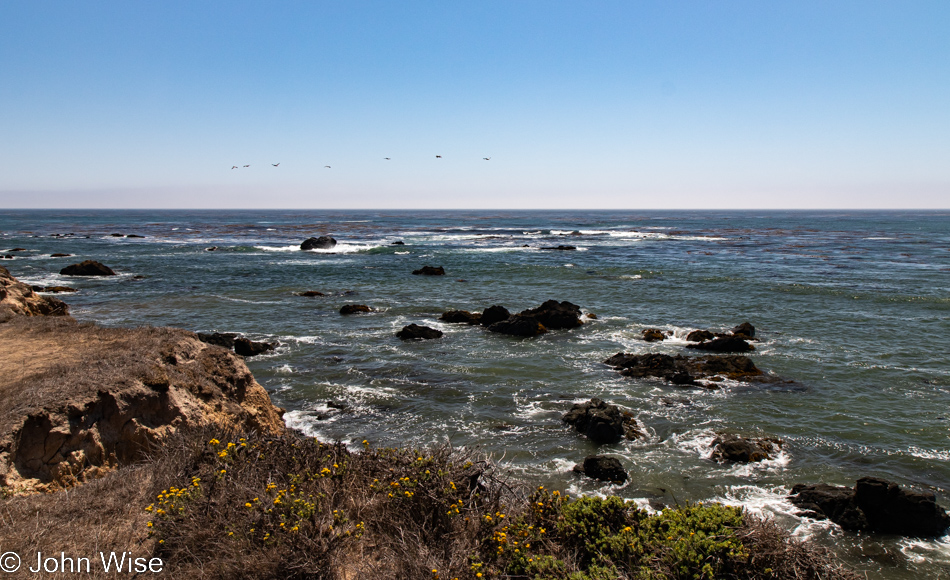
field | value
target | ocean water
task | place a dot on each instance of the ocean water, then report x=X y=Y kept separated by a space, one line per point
x=853 y=308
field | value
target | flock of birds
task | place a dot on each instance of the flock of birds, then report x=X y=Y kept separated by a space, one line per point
x=328 y=167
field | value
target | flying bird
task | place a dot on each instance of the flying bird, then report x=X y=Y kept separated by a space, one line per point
x=247 y=166
x=386 y=158
x=234 y=167
x=327 y=166
x=275 y=164
x=438 y=157
x=487 y=158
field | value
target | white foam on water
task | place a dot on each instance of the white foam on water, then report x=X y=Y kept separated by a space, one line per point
x=340 y=248
x=230 y=299
x=919 y=550
x=285 y=369
x=631 y=277
x=401 y=253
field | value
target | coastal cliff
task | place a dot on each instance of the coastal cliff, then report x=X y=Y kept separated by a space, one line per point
x=81 y=399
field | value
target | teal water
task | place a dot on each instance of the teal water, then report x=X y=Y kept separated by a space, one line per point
x=852 y=307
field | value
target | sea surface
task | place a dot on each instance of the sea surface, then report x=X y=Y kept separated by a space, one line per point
x=852 y=308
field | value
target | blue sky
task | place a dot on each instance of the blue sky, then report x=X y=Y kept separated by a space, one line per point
x=686 y=104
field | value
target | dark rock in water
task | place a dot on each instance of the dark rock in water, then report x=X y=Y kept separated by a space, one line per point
x=555 y=315
x=211 y=249
x=57 y=289
x=17 y=250
x=414 y=331
x=724 y=344
x=518 y=325
x=140 y=277
x=6 y=256
x=742 y=450
x=603 y=468
x=117 y=235
x=461 y=316
x=310 y=293
x=245 y=347
x=494 y=314
x=653 y=334
x=134 y=236
x=562 y=248
x=59 y=255
x=87 y=268
x=874 y=505
x=681 y=369
x=591 y=315
x=699 y=336
x=430 y=271
x=602 y=422
x=744 y=329
x=225 y=339
x=355 y=308
x=399 y=243
x=321 y=243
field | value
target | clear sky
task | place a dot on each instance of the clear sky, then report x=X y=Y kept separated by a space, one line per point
x=596 y=104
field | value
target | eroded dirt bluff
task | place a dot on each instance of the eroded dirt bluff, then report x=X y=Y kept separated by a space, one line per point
x=79 y=399
x=17 y=298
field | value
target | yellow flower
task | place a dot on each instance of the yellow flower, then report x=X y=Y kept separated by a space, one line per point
x=248 y=504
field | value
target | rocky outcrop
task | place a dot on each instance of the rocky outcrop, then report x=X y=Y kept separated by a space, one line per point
x=60 y=255
x=55 y=289
x=398 y=243
x=743 y=450
x=461 y=316
x=17 y=298
x=416 y=332
x=354 y=309
x=494 y=314
x=555 y=315
x=80 y=399
x=602 y=422
x=87 y=268
x=744 y=330
x=518 y=325
x=603 y=468
x=874 y=505
x=561 y=248
x=654 y=334
x=310 y=293
x=684 y=370
x=699 y=336
x=429 y=271
x=321 y=243
x=247 y=347
x=724 y=344
x=224 y=339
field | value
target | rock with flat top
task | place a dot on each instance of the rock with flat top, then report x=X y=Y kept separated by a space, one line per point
x=87 y=268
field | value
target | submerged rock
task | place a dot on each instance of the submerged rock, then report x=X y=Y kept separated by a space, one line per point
x=321 y=243
x=60 y=255
x=414 y=331
x=561 y=248
x=87 y=268
x=743 y=450
x=310 y=293
x=602 y=422
x=603 y=468
x=399 y=243
x=430 y=271
x=461 y=316
x=355 y=308
x=874 y=505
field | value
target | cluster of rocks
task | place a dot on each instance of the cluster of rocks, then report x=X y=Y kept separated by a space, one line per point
x=684 y=370
x=54 y=289
x=17 y=298
x=551 y=315
x=736 y=340
x=125 y=236
x=87 y=268
x=233 y=341
x=319 y=243
x=873 y=505
x=602 y=423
